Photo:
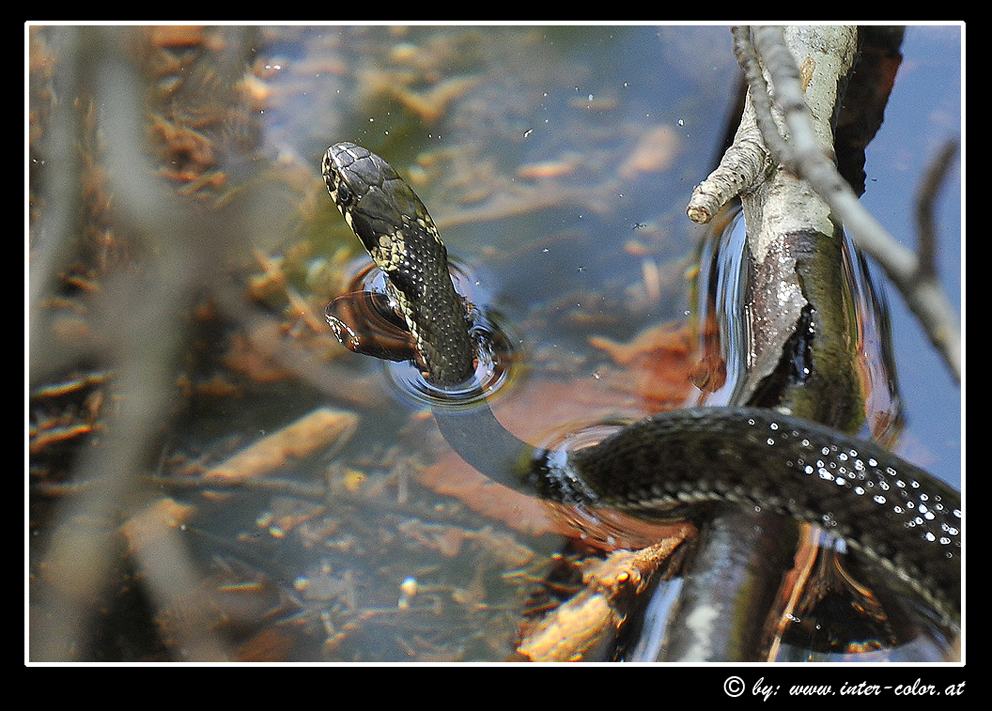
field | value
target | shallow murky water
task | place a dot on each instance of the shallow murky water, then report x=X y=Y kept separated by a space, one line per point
x=557 y=163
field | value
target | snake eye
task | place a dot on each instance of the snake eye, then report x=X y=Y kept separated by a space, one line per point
x=345 y=196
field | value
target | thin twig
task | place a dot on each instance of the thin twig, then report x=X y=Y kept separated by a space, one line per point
x=760 y=97
x=925 y=201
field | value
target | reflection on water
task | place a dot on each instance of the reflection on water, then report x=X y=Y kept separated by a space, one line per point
x=721 y=297
x=187 y=304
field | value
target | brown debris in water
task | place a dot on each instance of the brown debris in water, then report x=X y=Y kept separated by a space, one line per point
x=298 y=440
x=575 y=627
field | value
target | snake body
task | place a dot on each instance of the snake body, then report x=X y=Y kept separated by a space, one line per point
x=894 y=513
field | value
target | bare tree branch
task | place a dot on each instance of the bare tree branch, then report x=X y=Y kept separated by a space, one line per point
x=912 y=274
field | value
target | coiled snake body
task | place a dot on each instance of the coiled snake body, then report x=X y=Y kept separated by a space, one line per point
x=891 y=511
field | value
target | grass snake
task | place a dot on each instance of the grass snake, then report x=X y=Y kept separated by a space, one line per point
x=898 y=516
